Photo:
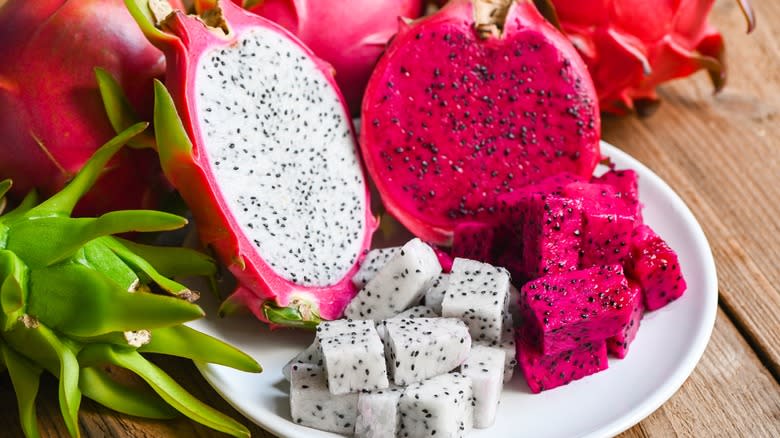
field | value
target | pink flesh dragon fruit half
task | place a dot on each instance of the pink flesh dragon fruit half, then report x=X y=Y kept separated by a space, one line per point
x=265 y=157
x=470 y=103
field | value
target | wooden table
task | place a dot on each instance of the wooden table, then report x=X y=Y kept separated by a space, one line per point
x=722 y=155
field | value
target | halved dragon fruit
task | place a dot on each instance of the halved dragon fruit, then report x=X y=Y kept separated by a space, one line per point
x=421 y=348
x=475 y=101
x=435 y=294
x=399 y=284
x=354 y=361
x=655 y=266
x=485 y=368
x=618 y=345
x=312 y=405
x=378 y=413
x=607 y=223
x=437 y=407
x=563 y=311
x=265 y=157
x=372 y=263
x=543 y=372
x=478 y=294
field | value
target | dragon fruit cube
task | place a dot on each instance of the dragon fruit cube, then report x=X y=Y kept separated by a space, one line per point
x=378 y=413
x=478 y=294
x=618 y=345
x=439 y=407
x=354 y=361
x=544 y=372
x=485 y=368
x=312 y=405
x=372 y=263
x=562 y=311
x=655 y=267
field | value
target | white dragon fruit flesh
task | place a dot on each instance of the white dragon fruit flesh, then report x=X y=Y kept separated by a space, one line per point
x=435 y=294
x=375 y=259
x=417 y=312
x=421 y=348
x=311 y=355
x=377 y=415
x=440 y=407
x=399 y=284
x=312 y=405
x=485 y=368
x=478 y=293
x=353 y=360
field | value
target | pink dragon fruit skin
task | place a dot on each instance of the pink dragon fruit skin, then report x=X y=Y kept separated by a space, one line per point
x=454 y=116
x=272 y=293
x=545 y=372
x=562 y=311
x=607 y=223
x=625 y=181
x=618 y=345
x=655 y=267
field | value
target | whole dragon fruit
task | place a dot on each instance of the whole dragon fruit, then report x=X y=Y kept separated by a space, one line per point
x=632 y=46
x=51 y=115
x=350 y=35
x=475 y=101
x=255 y=135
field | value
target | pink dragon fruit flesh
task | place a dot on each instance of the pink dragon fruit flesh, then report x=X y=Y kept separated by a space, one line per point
x=474 y=101
x=625 y=181
x=563 y=311
x=607 y=224
x=618 y=345
x=474 y=241
x=544 y=372
x=264 y=154
x=655 y=267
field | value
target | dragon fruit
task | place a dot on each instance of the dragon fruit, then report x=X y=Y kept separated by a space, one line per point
x=472 y=102
x=374 y=260
x=354 y=361
x=51 y=116
x=632 y=46
x=485 y=368
x=618 y=345
x=473 y=241
x=400 y=283
x=312 y=405
x=435 y=294
x=563 y=311
x=363 y=29
x=378 y=413
x=437 y=407
x=607 y=224
x=311 y=355
x=626 y=182
x=265 y=157
x=420 y=348
x=417 y=312
x=543 y=372
x=655 y=267
x=478 y=294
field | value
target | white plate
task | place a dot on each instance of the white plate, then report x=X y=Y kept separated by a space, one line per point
x=666 y=350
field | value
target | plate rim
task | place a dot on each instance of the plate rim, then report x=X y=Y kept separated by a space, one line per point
x=658 y=397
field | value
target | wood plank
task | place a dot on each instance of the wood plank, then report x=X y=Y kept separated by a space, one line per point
x=722 y=154
x=729 y=394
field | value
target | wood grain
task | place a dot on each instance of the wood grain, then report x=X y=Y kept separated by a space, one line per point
x=722 y=155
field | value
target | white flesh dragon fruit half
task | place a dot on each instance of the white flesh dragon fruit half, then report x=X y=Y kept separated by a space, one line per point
x=312 y=405
x=478 y=293
x=485 y=368
x=399 y=284
x=440 y=407
x=421 y=348
x=265 y=157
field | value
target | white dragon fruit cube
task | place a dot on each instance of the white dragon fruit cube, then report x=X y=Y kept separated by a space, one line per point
x=420 y=348
x=485 y=368
x=478 y=293
x=354 y=361
x=378 y=413
x=440 y=407
x=374 y=260
x=312 y=405
x=398 y=285
x=435 y=294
